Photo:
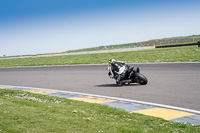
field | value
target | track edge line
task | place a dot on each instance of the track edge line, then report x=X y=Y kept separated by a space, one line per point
x=115 y=98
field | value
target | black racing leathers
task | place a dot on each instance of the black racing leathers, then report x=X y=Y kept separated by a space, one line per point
x=118 y=71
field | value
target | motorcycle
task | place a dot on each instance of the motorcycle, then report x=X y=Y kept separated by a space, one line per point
x=133 y=75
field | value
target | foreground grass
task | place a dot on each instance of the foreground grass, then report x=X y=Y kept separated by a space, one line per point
x=23 y=112
x=178 y=54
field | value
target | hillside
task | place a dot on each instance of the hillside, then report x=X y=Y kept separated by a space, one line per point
x=154 y=42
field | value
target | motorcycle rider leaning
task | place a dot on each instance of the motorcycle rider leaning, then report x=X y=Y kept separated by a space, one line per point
x=117 y=70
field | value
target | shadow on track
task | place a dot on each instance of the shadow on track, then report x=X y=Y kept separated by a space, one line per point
x=115 y=85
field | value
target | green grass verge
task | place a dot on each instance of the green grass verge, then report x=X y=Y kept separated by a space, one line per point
x=177 y=54
x=23 y=112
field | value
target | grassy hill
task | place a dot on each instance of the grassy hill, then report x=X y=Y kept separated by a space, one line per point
x=154 y=42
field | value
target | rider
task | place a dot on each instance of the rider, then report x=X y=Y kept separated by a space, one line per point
x=117 y=70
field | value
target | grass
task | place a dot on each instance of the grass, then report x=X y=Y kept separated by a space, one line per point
x=177 y=54
x=23 y=112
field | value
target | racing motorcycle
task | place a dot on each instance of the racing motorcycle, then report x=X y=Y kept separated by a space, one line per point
x=133 y=75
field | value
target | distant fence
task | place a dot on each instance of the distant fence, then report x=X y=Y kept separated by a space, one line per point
x=178 y=45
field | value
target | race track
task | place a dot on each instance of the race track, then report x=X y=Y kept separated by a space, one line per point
x=175 y=84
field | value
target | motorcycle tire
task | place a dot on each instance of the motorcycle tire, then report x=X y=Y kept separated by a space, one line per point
x=141 y=79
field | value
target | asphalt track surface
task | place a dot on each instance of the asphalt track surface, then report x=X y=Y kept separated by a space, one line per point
x=174 y=84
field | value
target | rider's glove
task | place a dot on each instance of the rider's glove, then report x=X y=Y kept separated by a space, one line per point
x=110 y=75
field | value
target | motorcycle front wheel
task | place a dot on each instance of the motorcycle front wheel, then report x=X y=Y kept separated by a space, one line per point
x=140 y=79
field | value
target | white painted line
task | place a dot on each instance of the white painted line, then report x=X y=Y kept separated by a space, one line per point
x=99 y=64
x=115 y=98
x=80 y=53
x=54 y=66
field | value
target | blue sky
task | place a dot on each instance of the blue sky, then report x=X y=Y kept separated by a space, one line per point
x=45 y=26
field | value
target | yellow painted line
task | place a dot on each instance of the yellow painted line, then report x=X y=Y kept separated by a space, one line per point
x=7 y=87
x=41 y=91
x=167 y=114
x=91 y=99
x=3 y=87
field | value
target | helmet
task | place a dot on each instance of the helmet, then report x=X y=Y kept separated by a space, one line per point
x=111 y=61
